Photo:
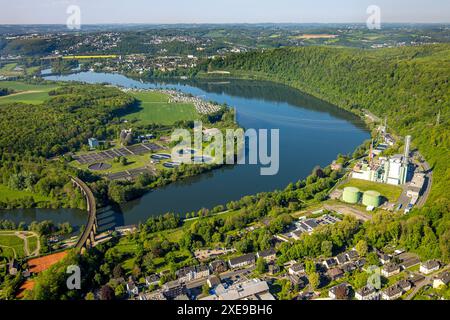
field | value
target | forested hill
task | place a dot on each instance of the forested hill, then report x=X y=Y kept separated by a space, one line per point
x=408 y=85
x=64 y=122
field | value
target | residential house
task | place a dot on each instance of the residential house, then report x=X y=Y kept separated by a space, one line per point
x=339 y=292
x=352 y=255
x=384 y=258
x=429 y=267
x=405 y=285
x=201 y=272
x=132 y=289
x=390 y=269
x=218 y=266
x=349 y=267
x=392 y=293
x=298 y=282
x=185 y=274
x=367 y=293
x=268 y=255
x=155 y=295
x=335 y=273
x=273 y=268
x=330 y=263
x=13 y=267
x=152 y=279
x=441 y=280
x=341 y=259
x=173 y=289
x=360 y=263
x=242 y=261
x=213 y=281
x=410 y=262
x=416 y=278
x=297 y=269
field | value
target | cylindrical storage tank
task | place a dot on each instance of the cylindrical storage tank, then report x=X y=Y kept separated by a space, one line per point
x=351 y=195
x=371 y=198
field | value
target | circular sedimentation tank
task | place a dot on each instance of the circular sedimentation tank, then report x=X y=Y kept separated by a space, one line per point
x=371 y=198
x=351 y=195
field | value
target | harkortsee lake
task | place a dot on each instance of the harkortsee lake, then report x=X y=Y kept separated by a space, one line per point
x=312 y=132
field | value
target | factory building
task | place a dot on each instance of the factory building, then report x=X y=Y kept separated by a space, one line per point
x=93 y=143
x=383 y=170
x=396 y=170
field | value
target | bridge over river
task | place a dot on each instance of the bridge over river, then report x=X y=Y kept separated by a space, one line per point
x=87 y=238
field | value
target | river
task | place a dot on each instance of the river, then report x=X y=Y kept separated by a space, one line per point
x=312 y=132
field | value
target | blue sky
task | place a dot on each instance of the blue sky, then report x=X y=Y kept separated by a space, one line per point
x=222 y=11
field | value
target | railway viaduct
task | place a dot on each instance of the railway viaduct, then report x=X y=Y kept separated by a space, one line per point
x=87 y=238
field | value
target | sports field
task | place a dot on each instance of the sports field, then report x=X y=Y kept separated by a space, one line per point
x=155 y=108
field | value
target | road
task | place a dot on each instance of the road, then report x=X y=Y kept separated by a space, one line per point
x=423 y=283
x=428 y=181
x=347 y=210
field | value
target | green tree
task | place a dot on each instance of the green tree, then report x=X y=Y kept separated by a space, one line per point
x=362 y=248
x=327 y=248
x=314 y=280
x=261 y=266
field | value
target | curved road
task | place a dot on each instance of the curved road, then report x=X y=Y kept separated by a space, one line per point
x=92 y=212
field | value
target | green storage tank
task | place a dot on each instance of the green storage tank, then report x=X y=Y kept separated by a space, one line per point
x=351 y=195
x=371 y=198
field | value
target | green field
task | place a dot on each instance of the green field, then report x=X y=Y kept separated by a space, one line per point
x=12 y=245
x=32 y=243
x=392 y=193
x=155 y=108
x=26 y=93
x=7 y=194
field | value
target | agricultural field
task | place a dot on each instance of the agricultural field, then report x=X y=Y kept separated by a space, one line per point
x=13 y=245
x=26 y=93
x=155 y=108
x=392 y=193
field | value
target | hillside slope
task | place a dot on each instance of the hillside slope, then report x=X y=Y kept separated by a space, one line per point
x=408 y=85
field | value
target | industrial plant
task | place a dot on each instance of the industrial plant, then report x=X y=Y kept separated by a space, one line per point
x=393 y=170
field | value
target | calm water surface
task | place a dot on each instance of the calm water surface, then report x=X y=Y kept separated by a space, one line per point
x=312 y=133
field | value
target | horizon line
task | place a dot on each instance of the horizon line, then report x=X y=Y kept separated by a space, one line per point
x=213 y=23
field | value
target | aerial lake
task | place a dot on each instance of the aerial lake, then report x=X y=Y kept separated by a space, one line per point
x=312 y=132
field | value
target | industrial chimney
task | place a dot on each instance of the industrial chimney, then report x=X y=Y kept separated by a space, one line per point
x=407 y=149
